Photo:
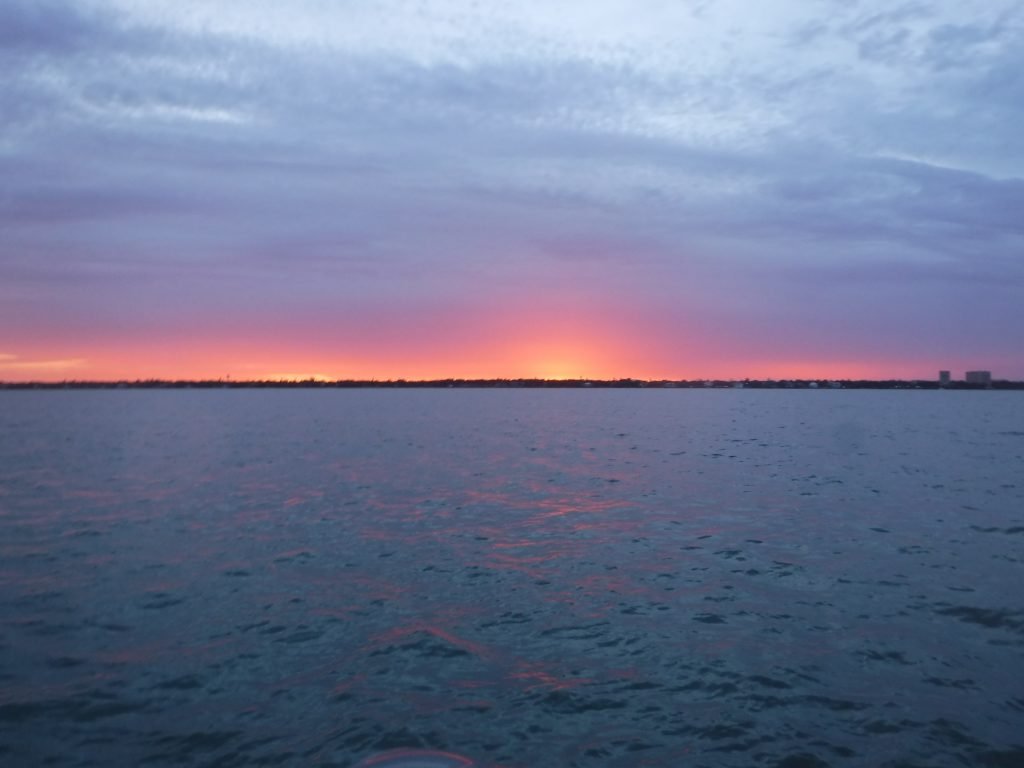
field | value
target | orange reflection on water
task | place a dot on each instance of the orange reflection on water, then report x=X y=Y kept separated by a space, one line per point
x=304 y=497
x=504 y=667
x=535 y=675
x=534 y=525
x=397 y=633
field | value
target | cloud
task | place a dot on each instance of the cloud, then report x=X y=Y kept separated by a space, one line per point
x=47 y=26
x=227 y=156
x=15 y=364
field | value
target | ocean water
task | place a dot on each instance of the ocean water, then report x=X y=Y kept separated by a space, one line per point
x=536 y=579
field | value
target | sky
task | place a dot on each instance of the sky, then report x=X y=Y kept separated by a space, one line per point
x=588 y=188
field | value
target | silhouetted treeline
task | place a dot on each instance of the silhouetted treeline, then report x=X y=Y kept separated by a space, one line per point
x=516 y=383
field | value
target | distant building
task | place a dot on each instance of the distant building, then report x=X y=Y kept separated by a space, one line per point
x=978 y=377
x=943 y=378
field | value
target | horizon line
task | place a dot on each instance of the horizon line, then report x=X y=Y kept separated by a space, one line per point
x=315 y=382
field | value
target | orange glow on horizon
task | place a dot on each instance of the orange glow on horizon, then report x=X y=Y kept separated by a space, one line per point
x=566 y=360
x=572 y=342
x=213 y=360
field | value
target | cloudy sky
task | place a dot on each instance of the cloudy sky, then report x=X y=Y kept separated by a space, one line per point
x=430 y=188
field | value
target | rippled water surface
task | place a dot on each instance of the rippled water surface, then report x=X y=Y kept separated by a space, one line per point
x=533 y=578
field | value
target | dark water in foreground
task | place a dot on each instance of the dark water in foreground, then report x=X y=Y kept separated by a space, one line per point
x=533 y=578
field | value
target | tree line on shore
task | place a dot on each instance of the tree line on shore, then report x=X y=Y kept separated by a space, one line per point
x=516 y=383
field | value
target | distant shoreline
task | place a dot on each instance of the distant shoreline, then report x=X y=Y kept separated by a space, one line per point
x=811 y=384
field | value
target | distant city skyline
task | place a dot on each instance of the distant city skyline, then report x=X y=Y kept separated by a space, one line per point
x=433 y=189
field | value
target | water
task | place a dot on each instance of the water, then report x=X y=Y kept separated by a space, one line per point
x=532 y=578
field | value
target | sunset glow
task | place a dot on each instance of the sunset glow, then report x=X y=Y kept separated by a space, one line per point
x=241 y=360
x=443 y=190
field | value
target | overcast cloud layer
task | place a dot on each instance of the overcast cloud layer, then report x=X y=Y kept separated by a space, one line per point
x=727 y=184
